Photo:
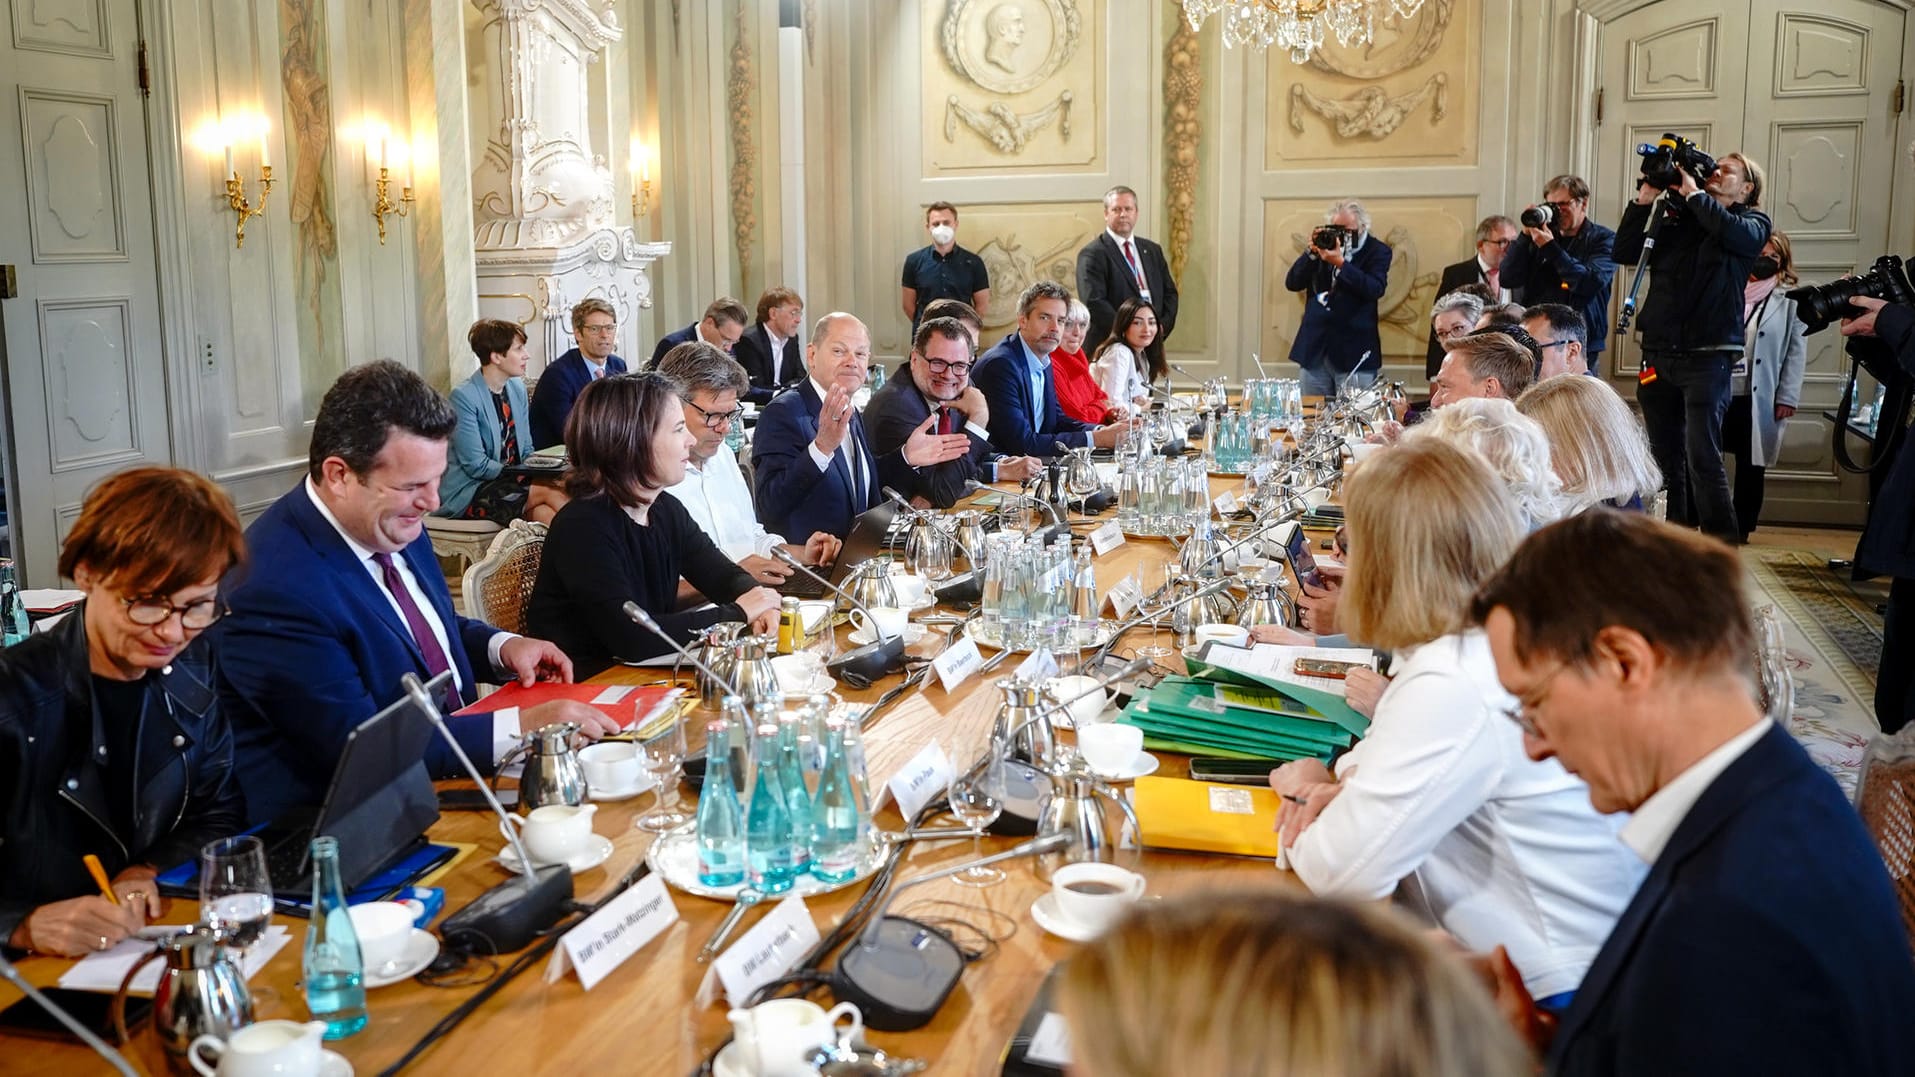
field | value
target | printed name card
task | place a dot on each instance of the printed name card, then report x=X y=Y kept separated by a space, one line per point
x=770 y=949
x=1226 y=503
x=1106 y=538
x=603 y=940
x=915 y=784
x=1125 y=596
x=957 y=662
x=1039 y=667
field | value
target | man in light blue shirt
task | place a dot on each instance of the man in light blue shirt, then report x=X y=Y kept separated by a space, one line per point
x=1015 y=378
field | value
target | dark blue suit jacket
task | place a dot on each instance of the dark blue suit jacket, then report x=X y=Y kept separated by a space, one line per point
x=672 y=340
x=1337 y=336
x=1020 y=424
x=795 y=499
x=558 y=386
x=1576 y=271
x=1765 y=939
x=313 y=647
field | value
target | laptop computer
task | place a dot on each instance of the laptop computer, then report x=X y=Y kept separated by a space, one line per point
x=866 y=540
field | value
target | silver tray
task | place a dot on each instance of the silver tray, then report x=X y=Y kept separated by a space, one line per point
x=988 y=638
x=674 y=856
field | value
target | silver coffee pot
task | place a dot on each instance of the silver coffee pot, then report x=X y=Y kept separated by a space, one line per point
x=1077 y=807
x=967 y=538
x=1024 y=722
x=552 y=773
x=1269 y=601
x=740 y=660
x=870 y=583
x=201 y=993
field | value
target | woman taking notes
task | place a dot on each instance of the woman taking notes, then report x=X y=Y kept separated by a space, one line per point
x=111 y=738
x=617 y=540
x=1439 y=797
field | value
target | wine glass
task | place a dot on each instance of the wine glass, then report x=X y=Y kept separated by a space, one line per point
x=236 y=891
x=661 y=748
x=977 y=799
x=1156 y=649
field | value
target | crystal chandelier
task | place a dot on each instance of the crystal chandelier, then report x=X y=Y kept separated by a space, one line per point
x=1297 y=25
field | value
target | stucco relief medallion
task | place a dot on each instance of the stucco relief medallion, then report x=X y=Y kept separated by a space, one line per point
x=1009 y=46
x=1397 y=45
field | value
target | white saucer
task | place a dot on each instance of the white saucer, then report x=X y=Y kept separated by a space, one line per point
x=824 y=684
x=730 y=1062
x=1145 y=763
x=912 y=634
x=333 y=1065
x=643 y=785
x=1045 y=911
x=421 y=948
x=930 y=599
x=597 y=852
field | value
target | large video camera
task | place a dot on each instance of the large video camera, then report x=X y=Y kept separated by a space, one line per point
x=1664 y=163
x=1329 y=237
x=1819 y=304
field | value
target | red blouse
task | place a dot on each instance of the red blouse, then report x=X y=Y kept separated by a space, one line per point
x=1077 y=392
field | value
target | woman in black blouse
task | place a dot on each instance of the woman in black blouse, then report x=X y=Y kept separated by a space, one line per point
x=618 y=540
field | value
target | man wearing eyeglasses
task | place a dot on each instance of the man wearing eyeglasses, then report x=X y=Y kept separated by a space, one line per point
x=935 y=386
x=1566 y=262
x=1493 y=237
x=714 y=491
x=1562 y=336
x=595 y=328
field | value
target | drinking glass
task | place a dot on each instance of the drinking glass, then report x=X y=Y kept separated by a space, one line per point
x=661 y=749
x=236 y=891
x=1155 y=649
x=977 y=799
x=927 y=551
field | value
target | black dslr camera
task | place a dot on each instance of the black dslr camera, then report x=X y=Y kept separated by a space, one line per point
x=1329 y=237
x=1540 y=216
x=1819 y=304
x=1664 y=163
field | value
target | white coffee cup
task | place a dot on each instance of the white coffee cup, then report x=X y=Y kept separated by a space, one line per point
x=610 y=767
x=1230 y=635
x=555 y=833
x=797 y=672
x=1094 y=895
x=262 y=1049
x=1250 y=566
x=383 y=928
x=1085 y=711
x=1316 y=498
x=890 y=621
x=1110 y=747
x=909 y=589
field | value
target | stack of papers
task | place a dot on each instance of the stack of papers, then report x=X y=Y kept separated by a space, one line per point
x=103 y=971
x=1248 y=703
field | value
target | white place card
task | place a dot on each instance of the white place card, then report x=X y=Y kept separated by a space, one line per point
x=602 y=941
x=1051 y=1043
x=1226 y=503
x=1125 y=596
x=772 y=947
x=1039 y=667
x=927 y=774
x=956 y=663
x=1106 y=538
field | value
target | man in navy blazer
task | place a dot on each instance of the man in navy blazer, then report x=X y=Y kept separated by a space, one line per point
x=595 y=327
x=812 y=465
x=1766 y=937
x=1015 y=378
x=724 y=320
x=342 y=595
x=769 y=349
x=1341 y=285
x=1108 y=268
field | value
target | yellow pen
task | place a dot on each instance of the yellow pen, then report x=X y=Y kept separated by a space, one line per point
x=99 y=876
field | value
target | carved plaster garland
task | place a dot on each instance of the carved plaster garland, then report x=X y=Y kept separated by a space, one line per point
x=1183 y=134
x=1370 y=112
x=741 y=87
x=1005 y=130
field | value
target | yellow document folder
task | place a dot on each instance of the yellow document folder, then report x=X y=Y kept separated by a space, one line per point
x=1206 y=817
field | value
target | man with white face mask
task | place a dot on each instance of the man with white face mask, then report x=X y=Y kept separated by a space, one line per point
x=943 y=270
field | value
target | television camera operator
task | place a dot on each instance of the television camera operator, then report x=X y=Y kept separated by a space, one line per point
x=1697 y=222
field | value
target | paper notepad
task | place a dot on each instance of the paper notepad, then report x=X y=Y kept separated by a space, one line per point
x=103 y=971
x=1204 y=817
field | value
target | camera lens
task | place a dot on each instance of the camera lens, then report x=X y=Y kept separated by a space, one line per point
x=1537 y=217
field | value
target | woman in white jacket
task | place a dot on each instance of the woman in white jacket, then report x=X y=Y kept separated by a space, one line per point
x=1438 y=803
x=1131 y=358
x=1767 y=384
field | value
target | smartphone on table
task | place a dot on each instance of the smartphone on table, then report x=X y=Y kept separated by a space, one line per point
x=1233 y=771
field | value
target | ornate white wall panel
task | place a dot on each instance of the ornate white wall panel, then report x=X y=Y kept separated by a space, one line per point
x=1813 y=173
x=73 y=27
x=73 y=176
x=1820 y=56
x=1679 y=62
x=91 y=403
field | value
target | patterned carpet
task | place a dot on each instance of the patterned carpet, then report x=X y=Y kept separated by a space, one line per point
x=1834 y=641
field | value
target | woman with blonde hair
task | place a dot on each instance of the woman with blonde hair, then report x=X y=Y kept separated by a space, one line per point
x=1597 y=446
x=1257 y=983
x=1439 y=796
x=1512 y=444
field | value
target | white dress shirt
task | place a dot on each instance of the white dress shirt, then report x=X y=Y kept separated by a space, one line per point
x=1656 y=820
x=716 y=496
x=1136 y=271
x=1117 y=374
x=777 y=354
x=1502 y=294
x=847 y=446
x=505 y=723
x=1489 y=845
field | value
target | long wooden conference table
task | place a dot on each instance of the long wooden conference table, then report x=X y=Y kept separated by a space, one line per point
x=642 y=1018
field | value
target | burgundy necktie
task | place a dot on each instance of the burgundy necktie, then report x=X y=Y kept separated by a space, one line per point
x=1135 y=269
x=1494 y=282
x=947 y=421
x=422 y=633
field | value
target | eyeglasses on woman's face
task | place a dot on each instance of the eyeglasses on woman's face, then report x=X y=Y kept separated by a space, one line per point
x=149 y=610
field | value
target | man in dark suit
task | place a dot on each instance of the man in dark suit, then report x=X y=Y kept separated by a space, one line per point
x=1341 y=283
x=1570 y=261
x=937 y=377
x=1015 y=378
x=1766 y=937
x=1884 y=334
x=342 y=595
x=595 y=328
x=1493 y=237
x=722 y=325
x=812 y=465
x=769 y=349
x=1117 y=266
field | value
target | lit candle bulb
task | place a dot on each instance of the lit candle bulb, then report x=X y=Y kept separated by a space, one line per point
x=229 y=159
x=265 y=159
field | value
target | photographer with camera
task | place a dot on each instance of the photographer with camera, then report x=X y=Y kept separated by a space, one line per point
x=1343 y=274
x=1564 y=257
x=1887 y=546
x=1699 y=224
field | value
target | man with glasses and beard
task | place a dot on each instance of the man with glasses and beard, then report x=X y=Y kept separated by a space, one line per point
x=937 y=380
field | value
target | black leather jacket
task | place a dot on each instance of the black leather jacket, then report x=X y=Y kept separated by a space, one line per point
x=52 y=791
x=1696 y=272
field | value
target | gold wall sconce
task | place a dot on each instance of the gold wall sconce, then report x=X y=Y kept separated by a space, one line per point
x=244 y=208
x=382 y=204
x=641 y=172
